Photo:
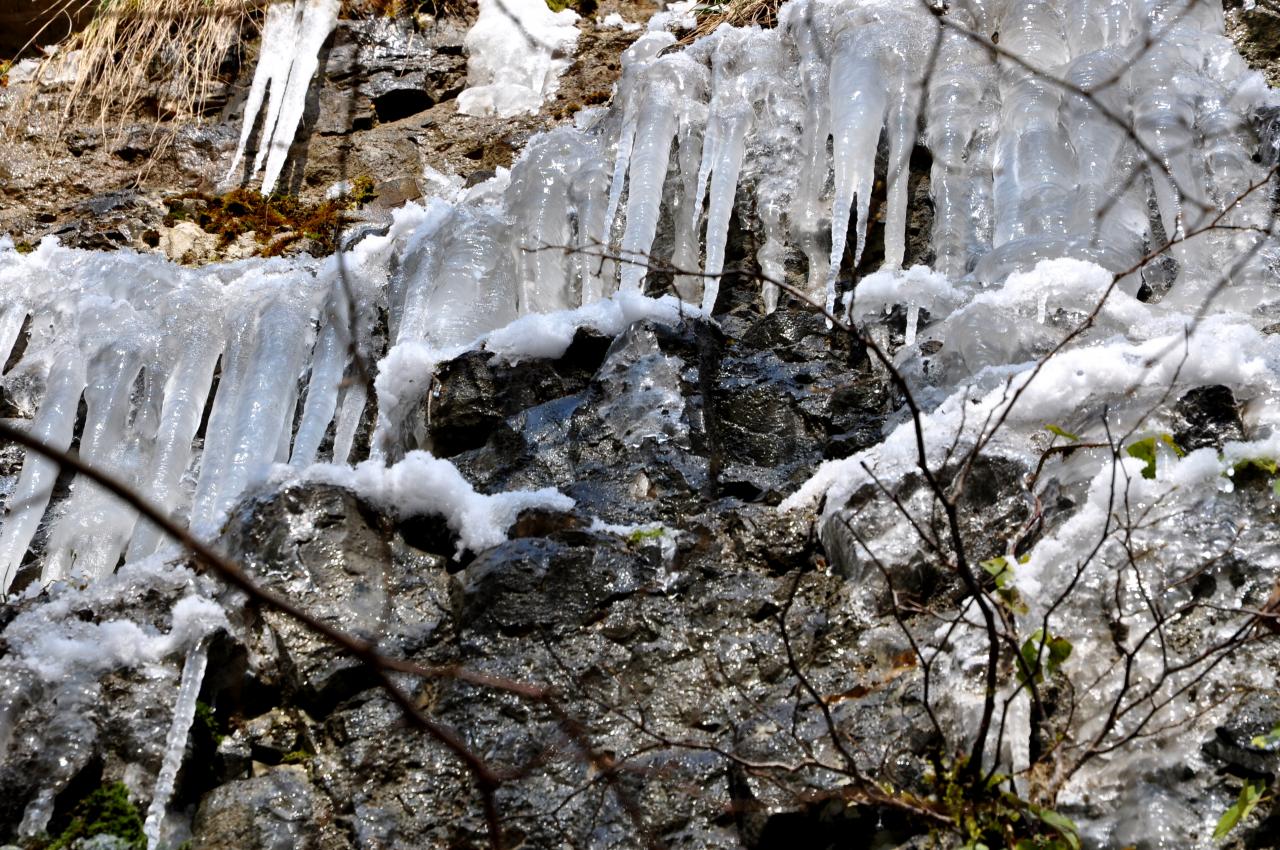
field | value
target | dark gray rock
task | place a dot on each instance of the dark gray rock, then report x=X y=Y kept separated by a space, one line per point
x=1207 y=416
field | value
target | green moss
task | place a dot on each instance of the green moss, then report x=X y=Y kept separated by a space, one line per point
x=24 y=247
x=297 y=757
x=644 y=535
x=276 y=222
x=107 y=811
x=207 y=723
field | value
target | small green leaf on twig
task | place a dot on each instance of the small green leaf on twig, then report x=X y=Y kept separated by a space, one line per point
x=1146 y=450
x=1250 y=795
x=1064 y=434
x=1056 y=650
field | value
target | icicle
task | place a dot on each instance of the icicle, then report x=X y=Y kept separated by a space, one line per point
x=11 y=321
x=175 y=746
x=597 y=275
x=913 y=319
x=634 y=60
x=353 y=402
x=94 y=526
x=806 y=28
x=291 y=42
x=260 y=375
x=327 y=364
x=539 y=203
x=671 y=82
x=185 y=393
x=53 y=426
x=859 y=102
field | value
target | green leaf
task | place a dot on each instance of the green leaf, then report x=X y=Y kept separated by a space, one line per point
x=1269 y=740
x=1146 y=451
x=1250 y=794
x=1262 y=464
x=1060 y=824
x=999 y=569
x=1056 y=651
x=1066 y=435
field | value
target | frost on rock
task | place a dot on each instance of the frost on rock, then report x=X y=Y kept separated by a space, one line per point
x=288 y=58
x=516 y=52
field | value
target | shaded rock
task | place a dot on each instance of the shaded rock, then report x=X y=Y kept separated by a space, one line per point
x=554 y=584
x=319 y=546
x=1207 y=416
x=279 y=810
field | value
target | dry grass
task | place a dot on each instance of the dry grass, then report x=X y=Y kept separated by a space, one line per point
x=738 y=13
x=165 y=52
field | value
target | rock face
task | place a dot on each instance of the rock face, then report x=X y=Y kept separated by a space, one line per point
x=701 y=663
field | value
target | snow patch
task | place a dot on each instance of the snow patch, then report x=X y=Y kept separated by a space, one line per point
x=422 y=484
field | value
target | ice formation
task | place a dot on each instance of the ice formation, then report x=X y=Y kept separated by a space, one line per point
x=516 y=52
x=292 y=36
x=787 y=130
x=802 y=136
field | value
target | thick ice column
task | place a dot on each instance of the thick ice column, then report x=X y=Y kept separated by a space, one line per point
x=807 y=30
x=260 y=376
x=352 y=408
x=1164 y=94
x=635 y=60
x=289 y=57
x=185 y=393
x=588 y=193
x=94 y=526
x=54 y=425
x=904 y=117
x=1034 y=169
x=859 y=104
x=12 y=318
x=328 y=361
x=744 y=64
x=671 y=83
x=964 y=77
x=686 y=208
x=1109 y=213
x=540 y=206
x=467 y=287
x=276 y=51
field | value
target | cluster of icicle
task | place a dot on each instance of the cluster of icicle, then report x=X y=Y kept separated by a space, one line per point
x=292 y=36
x=783 y=127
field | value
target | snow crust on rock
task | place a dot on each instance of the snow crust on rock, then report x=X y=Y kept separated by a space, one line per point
x=423 y=485
x=516 y=52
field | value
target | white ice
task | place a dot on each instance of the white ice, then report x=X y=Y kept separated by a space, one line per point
x=516 y=52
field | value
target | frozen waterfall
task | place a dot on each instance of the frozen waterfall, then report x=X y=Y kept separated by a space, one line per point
x=195 y=381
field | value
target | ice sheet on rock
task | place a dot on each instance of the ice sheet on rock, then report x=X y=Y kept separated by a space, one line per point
x=516 y=52
x=289 y=56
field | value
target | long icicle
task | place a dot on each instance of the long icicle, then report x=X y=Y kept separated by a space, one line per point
x=175 y=746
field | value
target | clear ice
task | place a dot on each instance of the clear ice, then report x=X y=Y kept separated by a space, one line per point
x=802 y=136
